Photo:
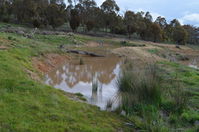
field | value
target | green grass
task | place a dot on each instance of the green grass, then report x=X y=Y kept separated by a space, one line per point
x=189 y=79
x=187 y=75
x=85 y=39
x=153 y=51
x=54 y=39
x=2 y=24
x=144 y=97
x=27 y=105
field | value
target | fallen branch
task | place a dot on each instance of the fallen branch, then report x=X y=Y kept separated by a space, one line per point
x=84 y=53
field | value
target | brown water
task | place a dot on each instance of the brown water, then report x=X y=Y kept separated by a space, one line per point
x=75 y=78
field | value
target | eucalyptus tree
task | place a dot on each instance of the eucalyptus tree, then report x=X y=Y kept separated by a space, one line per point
x=176 y=32
x=193 y=34
x=161 y=21
x=74 y=19
x=5 y=10
x=56 y=1
x=157 y=32
x=180 y=35
x=109 y=6
x=110 y=10
x=88 y=13
x=130 y=22
x=147 y=25
x=55 y=15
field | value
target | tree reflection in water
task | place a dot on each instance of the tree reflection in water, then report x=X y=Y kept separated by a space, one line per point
x=75 y=78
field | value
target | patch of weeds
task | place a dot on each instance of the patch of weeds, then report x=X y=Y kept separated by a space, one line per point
x=95 y=85
x=129 y=44
x=12 y=38
x=81 y=61
x=181 y=57
x=136 y=87
x=157 y=98
x=153 y=51
x=109 y=104
x=190 y=116
x=173 y=119
x=81 y=96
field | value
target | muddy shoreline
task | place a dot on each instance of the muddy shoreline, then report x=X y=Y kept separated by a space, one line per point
x=49 y=62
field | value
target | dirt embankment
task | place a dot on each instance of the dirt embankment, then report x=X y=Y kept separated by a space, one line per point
x=137 y=54
x=48 y=62
x=170 y=52
x=3 y=47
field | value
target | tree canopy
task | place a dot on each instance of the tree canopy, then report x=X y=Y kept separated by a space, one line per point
x=106 y=17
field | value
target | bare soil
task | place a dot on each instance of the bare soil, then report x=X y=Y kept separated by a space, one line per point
x=48 y=62
x=3 y=47
x=142 y=54
x=138 y=53
x=96 y=44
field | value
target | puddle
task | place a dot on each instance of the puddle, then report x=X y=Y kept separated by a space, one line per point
x=193 y=66
x=74 y=78
x=194 y=63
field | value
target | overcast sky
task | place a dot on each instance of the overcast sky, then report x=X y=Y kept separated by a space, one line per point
x=186 y=11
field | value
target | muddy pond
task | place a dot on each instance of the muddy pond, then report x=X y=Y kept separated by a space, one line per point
x=95 y=78
x=194 y=63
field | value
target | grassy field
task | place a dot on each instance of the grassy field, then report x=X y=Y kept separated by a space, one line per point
x=28 y=105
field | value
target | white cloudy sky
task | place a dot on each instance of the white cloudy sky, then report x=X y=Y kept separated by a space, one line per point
x=186 y=11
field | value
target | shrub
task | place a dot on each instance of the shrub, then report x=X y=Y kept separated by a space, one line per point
x=81 y=62
x=139 y=86
x=9 y=38
x=36 y=23
x=94 y=86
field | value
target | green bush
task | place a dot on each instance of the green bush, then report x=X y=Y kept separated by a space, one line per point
x=190 y=116
x=137 y=87
x=81 y=62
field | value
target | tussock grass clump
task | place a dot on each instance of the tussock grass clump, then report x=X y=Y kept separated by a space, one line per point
x=139 y=86
x=95 y=85
x=81 y=61
x=11 y=38
x=152 y=98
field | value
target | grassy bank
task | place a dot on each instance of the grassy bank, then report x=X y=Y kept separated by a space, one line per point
x=162 y=97
x=27 y=105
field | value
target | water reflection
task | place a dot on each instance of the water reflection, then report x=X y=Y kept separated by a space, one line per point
x=75 y=78
x=194 y=63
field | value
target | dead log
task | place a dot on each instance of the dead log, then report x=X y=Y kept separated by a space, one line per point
x=84 y=53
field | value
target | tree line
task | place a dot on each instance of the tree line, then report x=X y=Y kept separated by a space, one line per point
x=89 y=16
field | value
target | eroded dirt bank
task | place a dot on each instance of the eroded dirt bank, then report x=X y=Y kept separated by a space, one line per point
x=48 y=62
x=162 y=52
x=153 y=52
x=137 y=54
